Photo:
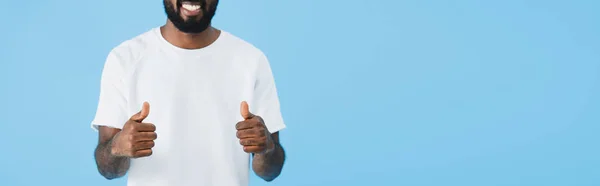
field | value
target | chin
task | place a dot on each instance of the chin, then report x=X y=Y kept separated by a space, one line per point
x=194 y=18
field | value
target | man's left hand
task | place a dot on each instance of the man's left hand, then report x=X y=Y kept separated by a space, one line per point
x=253 y=133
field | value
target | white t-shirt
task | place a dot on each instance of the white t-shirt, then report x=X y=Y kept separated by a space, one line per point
x=194 y=98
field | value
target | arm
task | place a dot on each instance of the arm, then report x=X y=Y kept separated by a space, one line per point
x=110 y=113
x=268 y=155
x=120 y=138
x=109 y=166
x=116 y=147
x=268 y=160
x=269 y=164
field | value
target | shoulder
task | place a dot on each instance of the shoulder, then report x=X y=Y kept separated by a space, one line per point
x=248 y=55
x=122 y=58
x=241 y=47
x=131 y=49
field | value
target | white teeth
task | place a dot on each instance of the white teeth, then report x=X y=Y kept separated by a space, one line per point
x=191 y=7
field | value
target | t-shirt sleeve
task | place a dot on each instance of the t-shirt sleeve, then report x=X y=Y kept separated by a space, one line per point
x=266 y=98
x=111 y=108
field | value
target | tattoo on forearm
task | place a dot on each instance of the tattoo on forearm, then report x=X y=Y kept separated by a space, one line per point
x=109 y=166
x=268 y=166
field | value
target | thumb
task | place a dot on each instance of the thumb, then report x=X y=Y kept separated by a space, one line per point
x=245 y=111
x=140 y=116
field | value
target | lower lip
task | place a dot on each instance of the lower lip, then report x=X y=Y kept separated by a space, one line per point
x=187 y=12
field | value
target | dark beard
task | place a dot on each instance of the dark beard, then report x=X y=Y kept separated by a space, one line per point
x=192 y=25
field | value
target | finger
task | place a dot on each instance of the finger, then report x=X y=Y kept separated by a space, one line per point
x=245 y=110
x=145 y=127
x=145 y=136
x=142 y=145
x=140 y=116
x=242 y=125
x=252 y=142
x=142 y=153
x=253 y=149
x=242 y=134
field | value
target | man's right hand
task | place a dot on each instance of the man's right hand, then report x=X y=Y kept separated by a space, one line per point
x=136 y=139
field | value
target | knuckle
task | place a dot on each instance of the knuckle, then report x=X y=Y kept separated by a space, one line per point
x=131 y=154
x=129 y=146
x=132 y=146
x=130 y=138
x=260 y=119
x=260 y=133
x=132 y=127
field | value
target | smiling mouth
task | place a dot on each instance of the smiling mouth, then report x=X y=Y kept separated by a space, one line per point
x=191 y=8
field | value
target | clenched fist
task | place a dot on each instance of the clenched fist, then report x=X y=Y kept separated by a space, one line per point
x=253 y=133
x=136 y=139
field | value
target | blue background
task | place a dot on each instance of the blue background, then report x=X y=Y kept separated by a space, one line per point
x=396 y=92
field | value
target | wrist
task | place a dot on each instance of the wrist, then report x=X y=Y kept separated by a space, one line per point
x=113 y=151
x=270 y=148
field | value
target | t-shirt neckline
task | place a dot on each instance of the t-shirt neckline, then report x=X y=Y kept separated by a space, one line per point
x=158 y=33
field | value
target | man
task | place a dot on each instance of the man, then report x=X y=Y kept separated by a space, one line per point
x=187 y=104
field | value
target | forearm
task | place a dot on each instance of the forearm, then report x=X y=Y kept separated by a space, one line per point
x=269 y=165
x=109 y=166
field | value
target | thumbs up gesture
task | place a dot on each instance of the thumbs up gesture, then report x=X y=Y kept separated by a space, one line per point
x=252 y=132
x=136 y=139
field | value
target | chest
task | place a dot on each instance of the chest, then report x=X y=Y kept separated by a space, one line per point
x=209 y=84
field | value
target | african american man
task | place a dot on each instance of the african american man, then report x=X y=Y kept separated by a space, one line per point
x=187 y=104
